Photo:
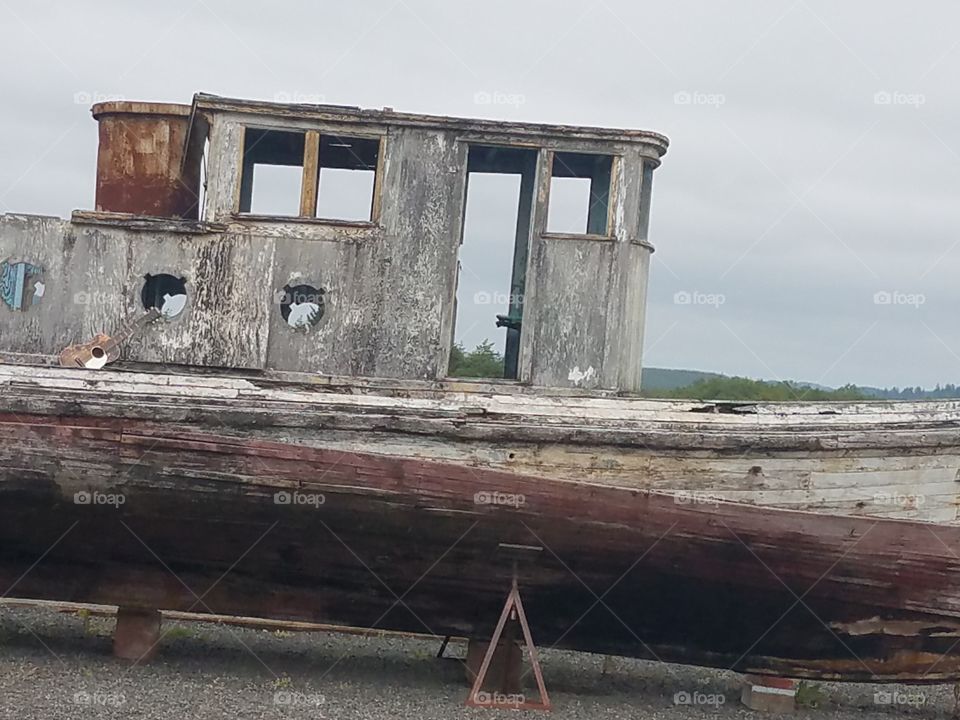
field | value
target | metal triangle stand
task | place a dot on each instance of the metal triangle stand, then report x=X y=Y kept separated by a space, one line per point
x=512 y=611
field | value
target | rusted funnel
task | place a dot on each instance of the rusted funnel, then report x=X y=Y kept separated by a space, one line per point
x=139 y=161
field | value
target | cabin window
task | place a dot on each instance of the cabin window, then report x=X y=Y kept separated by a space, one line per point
x=309 y=175
x=202 y=194
x=271 y=183
x=646 y=193
x=347 y=180
x=579 y=202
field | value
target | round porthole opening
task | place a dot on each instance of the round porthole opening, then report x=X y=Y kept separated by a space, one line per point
x=302 y=306
x=166 y=293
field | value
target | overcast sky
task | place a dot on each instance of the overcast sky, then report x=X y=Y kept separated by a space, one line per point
x=814 y=159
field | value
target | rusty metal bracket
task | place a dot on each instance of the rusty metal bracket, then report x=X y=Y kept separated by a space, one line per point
x=512 y=610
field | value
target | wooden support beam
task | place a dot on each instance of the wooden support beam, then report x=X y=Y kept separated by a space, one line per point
x=137 y=634
x=311 y=174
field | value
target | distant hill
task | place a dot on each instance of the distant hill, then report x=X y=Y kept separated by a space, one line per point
x=668 y=379
x=661 y=382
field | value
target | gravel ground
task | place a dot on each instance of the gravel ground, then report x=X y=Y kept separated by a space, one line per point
x=55 y=665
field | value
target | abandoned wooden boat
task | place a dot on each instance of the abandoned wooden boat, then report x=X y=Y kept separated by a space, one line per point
x=282 y=440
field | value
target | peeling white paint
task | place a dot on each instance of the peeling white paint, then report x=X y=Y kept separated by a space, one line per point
x=578 y=378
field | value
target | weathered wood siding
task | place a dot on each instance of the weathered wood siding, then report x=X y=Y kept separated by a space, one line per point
x=83 y=278
x=93 y=275
x=408 y=280
x=568 y=312
x=585 y=305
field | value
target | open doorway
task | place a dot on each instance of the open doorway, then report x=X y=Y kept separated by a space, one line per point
x=492 y=268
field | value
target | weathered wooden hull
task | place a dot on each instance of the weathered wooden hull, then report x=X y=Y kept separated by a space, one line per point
x=409 y=543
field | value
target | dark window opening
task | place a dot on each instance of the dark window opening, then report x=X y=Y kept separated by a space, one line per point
x=579 y=200
x=204 y=176
x=646 y=193
x=347 y=177
x=166 y=293
x=491 y=278
x=272 y=176
x=302 y=306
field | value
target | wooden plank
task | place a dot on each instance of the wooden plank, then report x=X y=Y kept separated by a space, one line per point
x=311 y=174
x=254 y=623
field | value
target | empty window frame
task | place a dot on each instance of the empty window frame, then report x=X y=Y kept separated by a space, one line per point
x=347 y=178
x=491 y=282
x=310 y=174
x=579 y=202
x=646 y=194
x=204 y=175
x=272 y=173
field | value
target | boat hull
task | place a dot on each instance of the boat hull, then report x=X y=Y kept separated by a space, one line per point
x=418 y=545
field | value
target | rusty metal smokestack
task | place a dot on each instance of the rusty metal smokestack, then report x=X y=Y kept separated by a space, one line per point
x=140 y=158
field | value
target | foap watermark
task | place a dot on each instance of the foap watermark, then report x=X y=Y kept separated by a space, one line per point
x=900 y=499
x=686 y=97
x=290 y=698
x=296 y=97
x=297 y=296
x=897 y=697
x=897 y=297
x=285 y=497
x=496 y=97
x=99 y=698
x=695 y=297
x=896 y=97
x=87 y=97
x=695 y=497
x=94 y=298
x=86 y=497
x=497 y=298
x=499 y=699
x=493 y=497
x=699 y=698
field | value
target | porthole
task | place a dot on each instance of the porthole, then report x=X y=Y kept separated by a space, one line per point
x=166 y=293
x=301 y=306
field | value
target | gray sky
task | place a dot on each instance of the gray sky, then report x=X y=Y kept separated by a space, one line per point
x=814 y=153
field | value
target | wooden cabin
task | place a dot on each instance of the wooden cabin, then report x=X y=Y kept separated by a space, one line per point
x=177 y=220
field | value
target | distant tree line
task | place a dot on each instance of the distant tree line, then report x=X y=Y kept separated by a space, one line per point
x=739 y=388
x=915 y=393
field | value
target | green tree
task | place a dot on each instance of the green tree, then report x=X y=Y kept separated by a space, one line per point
x=482 y=362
